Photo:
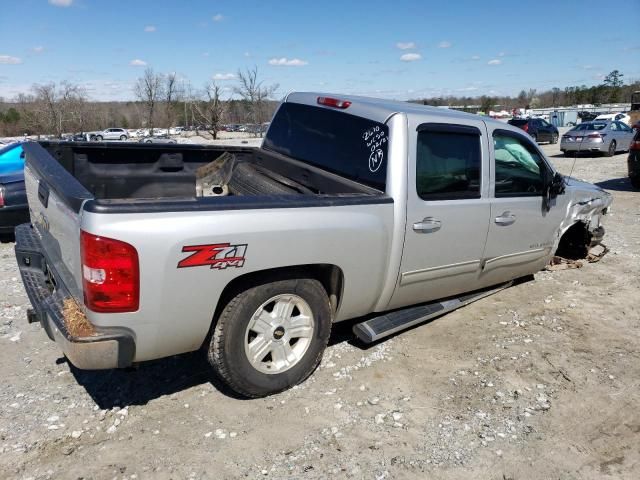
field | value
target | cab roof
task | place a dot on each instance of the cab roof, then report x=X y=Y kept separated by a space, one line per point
x=380 y=110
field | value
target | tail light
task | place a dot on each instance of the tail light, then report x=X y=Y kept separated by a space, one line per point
x=597 y=135
x=526 y=127
x=635 y=145
x=110 y=274
x=333 y=102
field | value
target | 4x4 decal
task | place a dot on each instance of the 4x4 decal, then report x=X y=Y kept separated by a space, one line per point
x=216 y=255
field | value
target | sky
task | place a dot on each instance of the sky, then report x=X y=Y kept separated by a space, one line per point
x=400 y=49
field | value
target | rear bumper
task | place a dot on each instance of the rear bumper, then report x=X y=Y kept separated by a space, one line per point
x=583 y=146
x=104 y=350
x=11 y=216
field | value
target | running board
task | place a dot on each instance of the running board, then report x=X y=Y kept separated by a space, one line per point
x=387 y=324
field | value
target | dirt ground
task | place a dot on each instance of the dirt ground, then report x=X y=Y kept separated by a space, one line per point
x=540 y=381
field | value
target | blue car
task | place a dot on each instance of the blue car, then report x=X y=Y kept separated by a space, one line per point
x=11 y=158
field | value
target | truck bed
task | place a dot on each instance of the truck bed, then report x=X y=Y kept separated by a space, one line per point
x=129 y=173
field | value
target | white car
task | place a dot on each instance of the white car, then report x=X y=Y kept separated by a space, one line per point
x=111 y=134
x=620 y=117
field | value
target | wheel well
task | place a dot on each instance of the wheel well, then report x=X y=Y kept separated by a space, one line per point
x=330 y=276
x=574 y=243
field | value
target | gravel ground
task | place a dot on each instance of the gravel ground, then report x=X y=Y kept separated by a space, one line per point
x=538 y=381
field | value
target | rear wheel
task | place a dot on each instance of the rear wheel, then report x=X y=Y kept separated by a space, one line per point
x=534 y=137
x=635 y=182
x=271 y=337
x=554 y=138
x=98 y=138
x=123 y=137
x=611 y=151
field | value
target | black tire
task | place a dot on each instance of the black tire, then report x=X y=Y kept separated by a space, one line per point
x=554 y=138
x=227 y=346
x=534 y=137
x=611 y=151
x=123 y=137
x=635 y=182
x=98 y=138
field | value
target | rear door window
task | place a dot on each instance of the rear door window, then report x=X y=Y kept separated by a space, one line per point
x=334 y=140
x=448 y=162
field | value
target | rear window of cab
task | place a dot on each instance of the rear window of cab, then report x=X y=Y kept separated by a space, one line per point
x=333 y=140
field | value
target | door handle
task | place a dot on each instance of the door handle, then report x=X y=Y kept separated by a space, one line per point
x=507 y=218
x=427 y=225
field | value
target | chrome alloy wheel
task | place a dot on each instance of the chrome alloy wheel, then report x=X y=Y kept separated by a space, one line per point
x=279 y=333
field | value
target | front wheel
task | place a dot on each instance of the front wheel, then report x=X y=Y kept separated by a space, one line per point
x=534 y=137
x=554 y=138
x=271 y=337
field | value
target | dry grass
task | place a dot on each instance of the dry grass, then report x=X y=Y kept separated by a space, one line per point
x=76 y=321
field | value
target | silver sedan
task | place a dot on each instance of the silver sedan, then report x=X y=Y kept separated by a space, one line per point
x=603 y=136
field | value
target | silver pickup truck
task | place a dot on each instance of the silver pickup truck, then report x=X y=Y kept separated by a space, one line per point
x=386 y=212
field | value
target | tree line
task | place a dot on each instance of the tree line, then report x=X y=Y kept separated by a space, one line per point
x=611 y=90
x=162 y=101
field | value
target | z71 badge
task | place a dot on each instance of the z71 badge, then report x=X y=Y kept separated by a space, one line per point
x=216 y=255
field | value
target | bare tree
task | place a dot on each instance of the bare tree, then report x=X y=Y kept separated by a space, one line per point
x=171 y=94
x=148 y=89
x=211 y=109
x=255 y=93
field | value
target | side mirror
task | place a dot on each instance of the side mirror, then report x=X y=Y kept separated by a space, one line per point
x=553 y=188
x=556 y=186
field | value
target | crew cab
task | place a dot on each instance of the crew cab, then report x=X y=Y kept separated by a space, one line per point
x=352 y=208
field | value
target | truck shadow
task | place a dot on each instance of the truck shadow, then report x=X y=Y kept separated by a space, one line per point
x=154 y=379
x=622 y=184
x=147 y=381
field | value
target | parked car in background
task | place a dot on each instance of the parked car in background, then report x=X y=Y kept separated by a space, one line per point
x=13 y=202
x=587 y=116
x=537 y=128
x=176 y=130
x=633 y=161
x=11 y=158
x=620 y=117
x=636 y=126
x=601 y=136
x=158 y=139
x=110 y=134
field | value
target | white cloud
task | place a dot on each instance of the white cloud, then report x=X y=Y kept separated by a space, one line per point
x=501 y=54
x=411 y=57
x=137 y=63
x=247 y=54
x=38 y=49
x=224 y=76
x=9 y=60
x=475 y=57
x=495 y=61
x=285 y=62
x=150 y=28
x=405 y=45
x=61 y=3
x=444 y=44
x=218 y=17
